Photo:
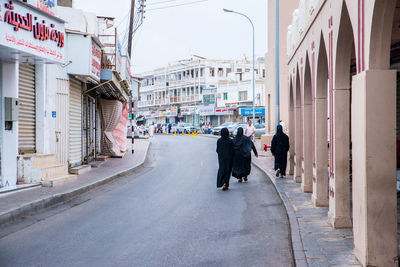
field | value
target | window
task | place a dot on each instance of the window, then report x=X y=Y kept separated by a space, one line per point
x=212 y=72
x=220 y=72
x=239 y=70
x=228 y=70
x=256 y=71
x=247 y=70
x=243 y=96
x=201 y=72
x=225 y=96
x=263 y=73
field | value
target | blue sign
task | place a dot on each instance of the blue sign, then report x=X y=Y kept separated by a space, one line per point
x=249 y=111
x=54 y=114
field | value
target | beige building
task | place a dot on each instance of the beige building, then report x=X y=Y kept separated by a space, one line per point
x=339 y=102
x=285 y=17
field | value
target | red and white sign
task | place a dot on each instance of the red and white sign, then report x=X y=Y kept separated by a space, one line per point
x=96 y=60
x=25 y=29
x=223 y=111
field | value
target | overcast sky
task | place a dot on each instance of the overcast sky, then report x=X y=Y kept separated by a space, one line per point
x=200 y=29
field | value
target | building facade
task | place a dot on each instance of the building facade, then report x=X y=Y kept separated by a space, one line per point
x=199 y=90
x=341 y=95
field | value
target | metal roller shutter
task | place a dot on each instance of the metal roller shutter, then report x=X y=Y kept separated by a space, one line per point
x=27 y=110
x=75 y=122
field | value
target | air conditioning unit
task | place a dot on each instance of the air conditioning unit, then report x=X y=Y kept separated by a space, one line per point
x=219 y=96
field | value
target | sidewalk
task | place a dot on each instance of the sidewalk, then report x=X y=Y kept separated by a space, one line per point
x=17 y=204
x=315 y=242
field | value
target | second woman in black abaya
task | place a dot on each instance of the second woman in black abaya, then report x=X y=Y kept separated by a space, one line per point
x=225 y=155
x=279 y=149
x=242 y=146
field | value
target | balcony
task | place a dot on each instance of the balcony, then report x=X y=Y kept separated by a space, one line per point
x=161 y=102
x=147 y=103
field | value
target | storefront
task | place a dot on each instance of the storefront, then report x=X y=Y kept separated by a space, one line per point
x=224 y=115
x=29 y=40
x=247 y=113
x=85 y=53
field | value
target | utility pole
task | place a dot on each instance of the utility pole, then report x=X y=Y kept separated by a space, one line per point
x=131 y=20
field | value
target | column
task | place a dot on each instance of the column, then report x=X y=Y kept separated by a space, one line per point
x=42 y=136
x=339 y=183
x=298 y=142
x=9 y=147
x=374 y=167
x=320 y=171
x=306 y=176
x=292 y=134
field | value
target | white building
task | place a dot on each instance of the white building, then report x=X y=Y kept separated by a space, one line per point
x=188 y=89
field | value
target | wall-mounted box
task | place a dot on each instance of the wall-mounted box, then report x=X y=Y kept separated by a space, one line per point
x=11 y=106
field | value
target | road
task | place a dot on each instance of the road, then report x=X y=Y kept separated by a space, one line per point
x=168 y=213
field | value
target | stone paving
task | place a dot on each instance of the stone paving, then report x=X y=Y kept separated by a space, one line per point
x=322 y=245
x=29 y=199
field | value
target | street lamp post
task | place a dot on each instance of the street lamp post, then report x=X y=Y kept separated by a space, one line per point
x=254 y=85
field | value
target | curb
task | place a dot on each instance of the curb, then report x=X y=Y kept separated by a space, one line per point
x=34 y=206
x=295 y=239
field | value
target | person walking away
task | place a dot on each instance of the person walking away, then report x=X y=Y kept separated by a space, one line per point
x=225 y=157
x=279 y=148
x=151 y=130
x=250 y=131
x=169 y=128
x=242 y=146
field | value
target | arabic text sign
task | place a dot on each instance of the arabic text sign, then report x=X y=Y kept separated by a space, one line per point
x=25 y=29
x=249 y=111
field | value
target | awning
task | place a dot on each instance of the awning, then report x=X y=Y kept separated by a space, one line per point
x=110 y=87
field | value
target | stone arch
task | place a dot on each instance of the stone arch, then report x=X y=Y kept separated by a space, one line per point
x=340 y=121
x=321 y=180
x=381 y=34
x=292 y=126
x=307 y=175
x=298 y=126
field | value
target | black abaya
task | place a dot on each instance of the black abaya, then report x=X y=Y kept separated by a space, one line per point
x=279 y=148
x=242 y=146
x=225 y=155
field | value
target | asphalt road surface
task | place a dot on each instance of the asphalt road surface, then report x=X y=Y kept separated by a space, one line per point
x=168 y=213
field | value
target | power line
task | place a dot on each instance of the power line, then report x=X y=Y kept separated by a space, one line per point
x=165 y=7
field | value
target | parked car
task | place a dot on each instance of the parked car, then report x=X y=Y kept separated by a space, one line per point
x=189 y=128
x=237 y=126
x=217 y=130
x=260 y=130
x=174 y=127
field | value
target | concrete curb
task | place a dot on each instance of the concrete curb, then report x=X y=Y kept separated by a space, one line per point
x=299 y=256
x=34 y=206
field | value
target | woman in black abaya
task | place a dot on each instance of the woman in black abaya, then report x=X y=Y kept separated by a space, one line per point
x=279 y=149
x=242 y=146
x=225 y=155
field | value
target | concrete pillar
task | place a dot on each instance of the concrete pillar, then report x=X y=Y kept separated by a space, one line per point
x=41 y=129
x=298 y=151
x=9 y=147
x=292 y=134
x=374 y=167
x=339 y=183
x=320 y=196
x=306 y=176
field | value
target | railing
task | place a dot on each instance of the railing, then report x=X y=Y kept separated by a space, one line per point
x=146 y=103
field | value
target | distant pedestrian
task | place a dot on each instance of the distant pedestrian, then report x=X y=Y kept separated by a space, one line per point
x=242 y=146
x=169 y=127
x=279 y=148
x=151 y=130
x=250 y=130
x=225 y=157
x=281 y=123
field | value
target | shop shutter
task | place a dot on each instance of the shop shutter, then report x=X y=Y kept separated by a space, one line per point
x=27 y=110
x=75 y=122
x=98 y=129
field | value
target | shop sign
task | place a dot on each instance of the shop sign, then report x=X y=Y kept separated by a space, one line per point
x=188 y=110
x=249 y=112
x=206 y=111
x=223 y=111
x=96 y=60
x=173 y=112
x=231 y=106
x=25 y=29
x=48 y=6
